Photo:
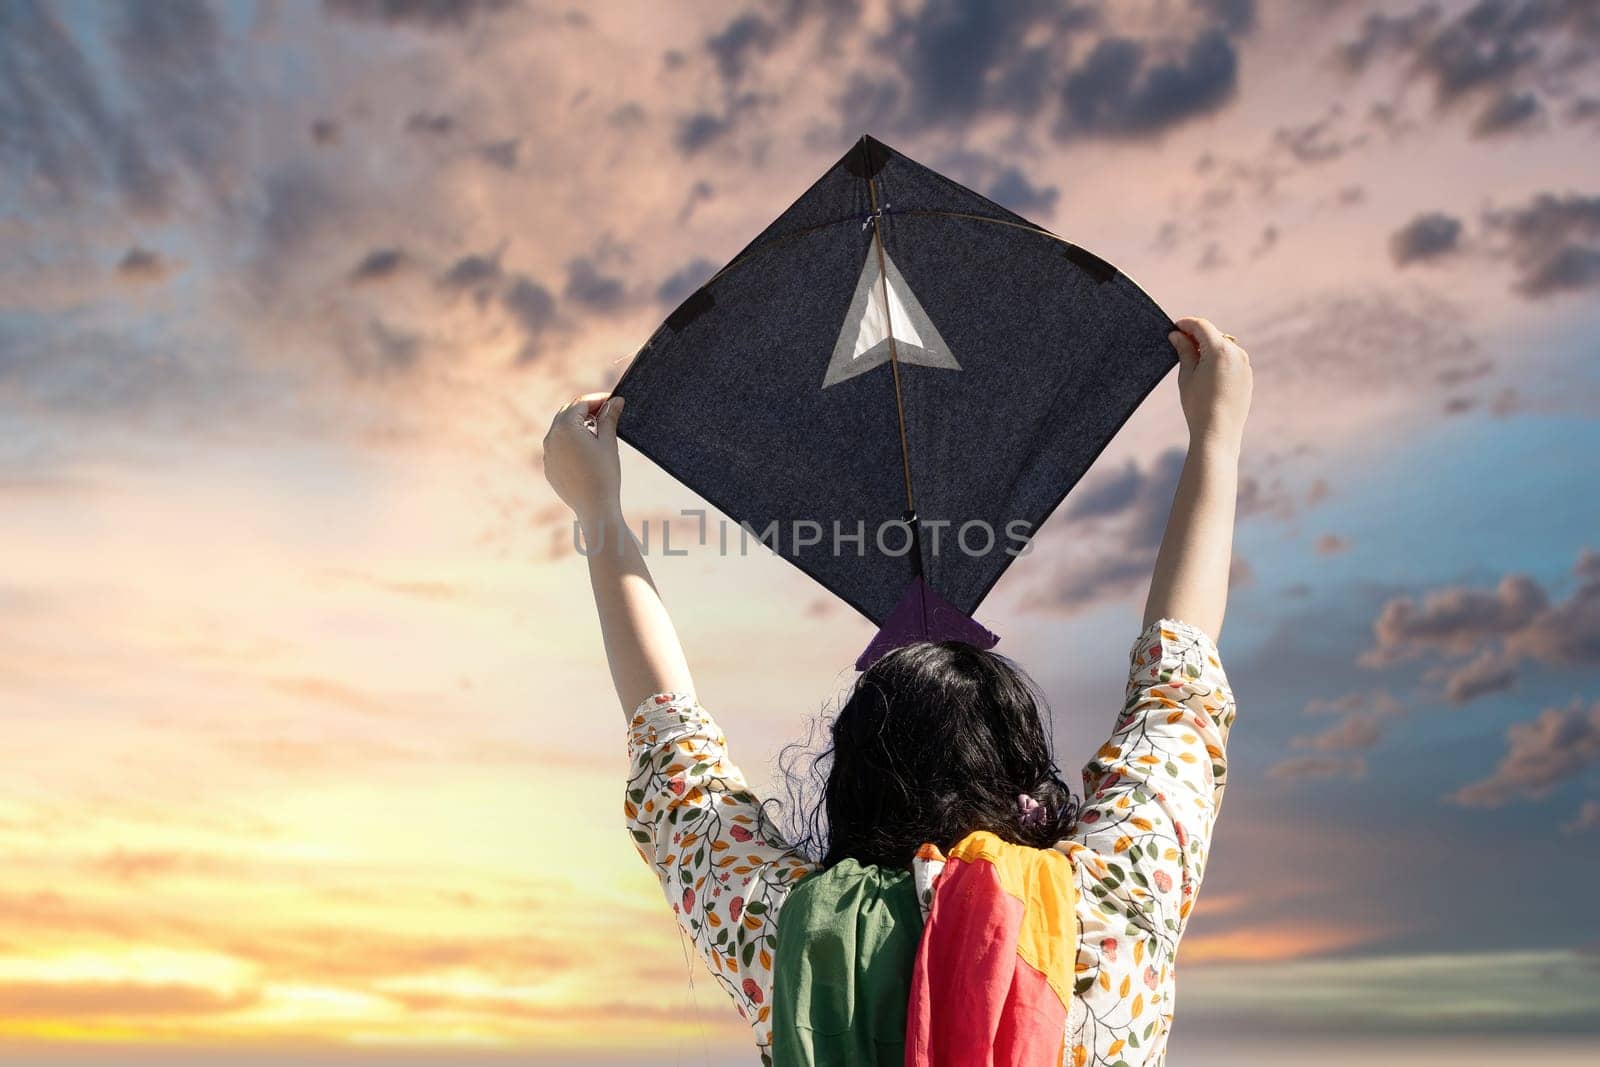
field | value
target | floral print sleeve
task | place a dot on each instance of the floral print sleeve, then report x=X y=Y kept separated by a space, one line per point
x=721 y=862
x=1151 y=795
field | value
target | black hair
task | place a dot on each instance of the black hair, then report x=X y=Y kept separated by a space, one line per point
x=934 y=740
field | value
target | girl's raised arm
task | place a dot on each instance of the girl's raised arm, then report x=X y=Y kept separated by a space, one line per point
x=581 y=464
x=1191 y=572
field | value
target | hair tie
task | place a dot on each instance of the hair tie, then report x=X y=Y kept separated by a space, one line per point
x=1033 y=813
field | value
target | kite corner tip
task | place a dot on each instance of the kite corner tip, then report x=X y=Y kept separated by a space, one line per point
x=924 y=615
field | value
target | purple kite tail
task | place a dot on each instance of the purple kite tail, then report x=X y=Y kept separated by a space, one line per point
x=924 y=615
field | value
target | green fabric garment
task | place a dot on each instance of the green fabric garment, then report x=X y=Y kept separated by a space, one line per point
x=847 y=942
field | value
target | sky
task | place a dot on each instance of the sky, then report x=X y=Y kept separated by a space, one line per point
x=311 y=752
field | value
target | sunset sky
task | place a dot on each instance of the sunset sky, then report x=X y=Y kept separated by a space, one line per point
x=310 y=749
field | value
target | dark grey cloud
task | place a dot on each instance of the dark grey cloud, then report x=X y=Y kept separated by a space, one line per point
x=685 y=280
x=1122 y=88
x=393 y=351
x=1584 y=109
x=291 y=207
x=1318 y=141
x=1556 y=746
x=1236 y=16
x=700 y=129
x=960 y=58
x=1508 y=112
x=700 y=192
x=1013 y=189
x=59 y=126
x=502 y=154
x=476 y=275
x=1429 y=236
x=956 y=62
x=1133 y=506
x=1142 y=497
x=1383 y=33
x=734 y=45
x=1552 y=240
x=417 y=14
x=1492 y=51
x=534 y=309
x=595 y=291
x=140 y=264
x=171 y=56
x=1106 y=494
x=430 y=123
x=378 y=265
x=294 y=201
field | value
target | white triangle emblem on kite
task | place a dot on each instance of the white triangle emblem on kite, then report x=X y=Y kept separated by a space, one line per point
x=864 y=337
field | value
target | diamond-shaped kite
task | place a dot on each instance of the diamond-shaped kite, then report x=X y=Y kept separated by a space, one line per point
x=896 y=382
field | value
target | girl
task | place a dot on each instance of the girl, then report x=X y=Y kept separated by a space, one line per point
x=940 y=753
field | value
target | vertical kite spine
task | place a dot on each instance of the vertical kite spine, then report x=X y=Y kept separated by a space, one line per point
x=894 y=359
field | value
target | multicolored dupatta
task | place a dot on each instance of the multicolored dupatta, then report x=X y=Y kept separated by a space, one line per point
x=977 y=975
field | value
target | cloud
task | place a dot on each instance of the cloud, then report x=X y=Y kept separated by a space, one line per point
x=1429 y=236
x=171 y=56
x=59 y=124
x=90 y=999
x=1487 y=672
x=421 y=588
x=1382 y=33
x=1355 y=731
x=502 y=154
x=1360 y=726
x=1492 y=51
x=1586 y=819
x=1319 y=768
x=1508 y=112
x=1120 y=89
x=959 y=59
x=141 y=865
x=747 y=35
x=477 y=275
x=591 y=289
x=336 y=694
x=140 y=264
x=1453 y=620
x=417 y=14
x=378 y=265
x=534 y=309
x=685 y=280
x=1541 y=754
x=1330 y=544
x=1552 y=240
x=1316 y=142
x=1381 y=703
x=1013 y=189
x=1500 y=628
x=430 y=123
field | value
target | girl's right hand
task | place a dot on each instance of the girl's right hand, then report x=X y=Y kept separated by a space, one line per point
x=1214 y=381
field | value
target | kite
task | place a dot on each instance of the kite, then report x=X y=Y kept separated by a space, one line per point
x=894 y=385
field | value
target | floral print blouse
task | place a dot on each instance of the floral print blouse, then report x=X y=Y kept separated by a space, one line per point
x=1151 y=794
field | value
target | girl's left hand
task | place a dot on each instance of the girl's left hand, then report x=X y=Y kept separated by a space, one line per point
x=581 y=465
